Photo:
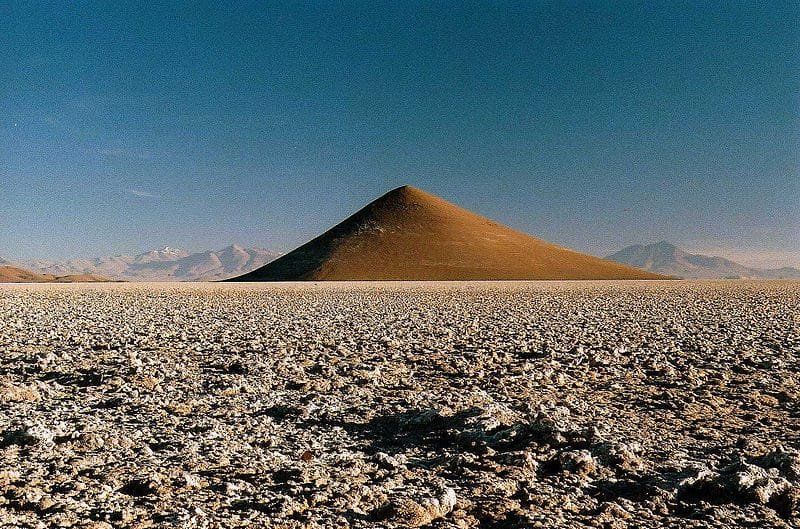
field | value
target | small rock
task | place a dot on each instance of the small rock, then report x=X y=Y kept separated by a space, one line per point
x=386 y=461
x=619 y=455
x=27 y=436
x=411 y=513
x=787 y=462
x=16 y=393
x=579 y=462
x=738 y=483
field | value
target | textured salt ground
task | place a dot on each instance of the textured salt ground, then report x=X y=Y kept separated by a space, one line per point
x=495 y=405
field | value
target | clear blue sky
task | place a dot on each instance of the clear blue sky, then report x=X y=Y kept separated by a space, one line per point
x=591 y=124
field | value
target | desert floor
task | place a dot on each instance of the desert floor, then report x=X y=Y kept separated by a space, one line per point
x=493 y=405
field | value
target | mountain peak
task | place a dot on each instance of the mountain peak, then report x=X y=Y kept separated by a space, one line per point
x=407 y=191
x=664 y=245
x=233 y=248
x=165 y=251
x=404 y=197
x=169 y=250
x=409 y=234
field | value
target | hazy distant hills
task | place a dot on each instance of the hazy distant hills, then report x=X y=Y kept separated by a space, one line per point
x=14 y=274
x=164 y=264
x=666 y=258
x=408 y=234
x=406 y=211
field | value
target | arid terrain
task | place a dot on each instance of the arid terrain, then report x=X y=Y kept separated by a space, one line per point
x=13 y=274
x=408 y=234
x=490 y=405
x=162 y=264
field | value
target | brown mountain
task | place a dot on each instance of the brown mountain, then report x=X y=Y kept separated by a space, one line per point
x=13 y=274
x=408 y=234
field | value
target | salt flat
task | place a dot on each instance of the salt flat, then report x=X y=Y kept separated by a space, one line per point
x=497 y=405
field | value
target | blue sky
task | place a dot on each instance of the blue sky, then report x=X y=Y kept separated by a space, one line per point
x=591 y=124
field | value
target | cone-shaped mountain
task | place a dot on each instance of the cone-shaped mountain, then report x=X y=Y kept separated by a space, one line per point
x=408 y=234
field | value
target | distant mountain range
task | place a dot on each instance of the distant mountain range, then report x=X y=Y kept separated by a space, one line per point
x=163 y=264
x=13 y=274
x=173 y=264
x=668 y=259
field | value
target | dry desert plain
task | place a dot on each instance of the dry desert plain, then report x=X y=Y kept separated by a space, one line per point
x=491 y=405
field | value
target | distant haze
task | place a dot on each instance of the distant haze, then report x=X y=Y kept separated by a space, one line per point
x=592 y=125
x=666 y=258
x=163 y=264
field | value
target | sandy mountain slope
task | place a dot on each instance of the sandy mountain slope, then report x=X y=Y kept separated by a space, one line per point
x=666 y=258
x=408 y=234
x=13 y=274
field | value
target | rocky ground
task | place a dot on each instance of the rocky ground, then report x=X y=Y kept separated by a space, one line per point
x=492 y=405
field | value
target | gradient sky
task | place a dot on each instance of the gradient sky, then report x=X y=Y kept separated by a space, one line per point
x=591 y=124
